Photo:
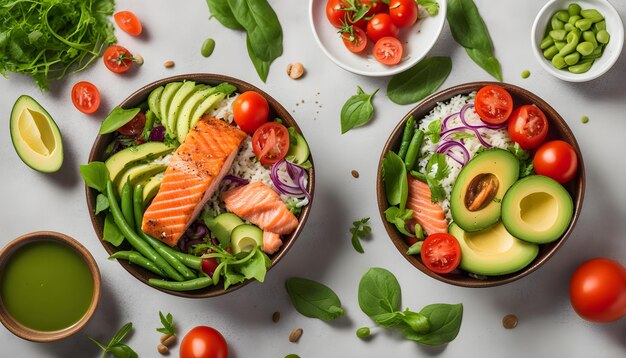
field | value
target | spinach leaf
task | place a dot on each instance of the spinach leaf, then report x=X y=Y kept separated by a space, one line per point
x=222 y=12
x=395 y=179
x=102 y=203
x=313 y=299
x=379 y=293
x=445 y=323
x=431 y=6
x=117 y=118
x=470 y=31
x=262 y=67
x=357 y=110
x=111 y=233
x=95 y=175
x=419 y=81
x=434 y=178
x=398 y=217
x=262 y=26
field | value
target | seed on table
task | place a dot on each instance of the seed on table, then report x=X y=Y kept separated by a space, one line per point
x=355 y=173
x=138 y=59
x=295 y=70
x=509 y=321
x=276 y=317
x=169 y=64
x=295 y=335
x=162 y=349
x=169 y=340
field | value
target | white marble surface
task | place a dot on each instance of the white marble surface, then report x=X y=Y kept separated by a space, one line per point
x=175 y=30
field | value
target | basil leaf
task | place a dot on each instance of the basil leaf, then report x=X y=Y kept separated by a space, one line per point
x=388 y=320
x=111 y=233
x=313 y=299
x=95 y=175
x=261 y=23
x=419 y=81
x=415 y=249
x=120 y=350
x=222 y=12
x=168 y=324
x=395 y=179
x=398 y=217
x=102 y=203
x=121 y=333
x=379 y=292
x=262 y=67
x=360 y=230
x=431 y=6
x=445 y=323
x=416 y=321
x=357 y=110
x=117 y=118
x=470 y=31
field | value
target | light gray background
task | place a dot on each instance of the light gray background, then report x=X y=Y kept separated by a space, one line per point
x=175 y=30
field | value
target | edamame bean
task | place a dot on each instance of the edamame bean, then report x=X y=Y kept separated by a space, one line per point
x=592 y=14
x=135 y=258
x=190 y=285
x=557 y=24
x=550 y=52
x=584 y=24
x=414 y=149
x=599 y=26
x=596 y=54
x=207 y=47
x=585 y=48
x=581 y=67
x=572 y=20
x=558 y=61
x=603 y=37
x=545 y=43
x=572 y=42
x=409 y=128
x=572 y=58
x=569 y=27
x=559 y=45
x=558 y=35
x=573 y=9
x=562 y=15
x=525 y=74
x=589 y=36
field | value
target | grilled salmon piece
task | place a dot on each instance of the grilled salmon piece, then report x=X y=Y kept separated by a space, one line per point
x=428 y=214
x=191 y=178
x=262 y=206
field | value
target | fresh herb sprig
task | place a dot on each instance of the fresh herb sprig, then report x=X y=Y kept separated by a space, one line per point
x=360 y=229
x=357 y=111
x=115 y=346
x=168 y=324
x=526 y=166
x=435 y=177
x=239 y=267
x=313 y=299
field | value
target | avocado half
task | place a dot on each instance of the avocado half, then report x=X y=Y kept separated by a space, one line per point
x=35 y=136
x=493 y=251
x=476 y=197
x=537 y=209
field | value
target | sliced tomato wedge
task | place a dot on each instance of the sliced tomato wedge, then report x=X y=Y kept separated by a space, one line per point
x=388 y=51
x=441 y=253
x=86 y=97
x=134 y=127
x=128 y=22
x=493 y=104
x=270 y=142
x=528 y=126
x=354 y=38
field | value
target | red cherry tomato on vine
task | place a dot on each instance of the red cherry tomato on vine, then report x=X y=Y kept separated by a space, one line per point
x=250 y=110
x=528 y=126
x=493 y=104
x=338 y=15
x=376 y=6
x=556 y=159
x=86 y=97
x=441 y=253
x=270 y=142
x=203 y=342
x=388 y=51
x=134 y=127
x=404 y=13
x=118 y=59
x=355 y=41
x=128 y=22
x=381 y=26
x=598 y=290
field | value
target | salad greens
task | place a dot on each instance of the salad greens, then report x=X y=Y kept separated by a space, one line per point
x=526 y=166
x=434 y=131
x=360 y=230
x=398 y=217
x=46 y=39
x=102 y=203
x=168 y=324
x=95 y=175
x=111 y=233
x=431 y=6
x=239 y=267
x=313 y=299
x=396 y=182
x=419 y=81
x=117 y=118
x=357 y=110
x=115 y=346
x=436 y=176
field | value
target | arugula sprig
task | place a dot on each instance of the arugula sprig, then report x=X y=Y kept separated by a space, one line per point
x=168 y=324
x=360 y=230
x=115 y=346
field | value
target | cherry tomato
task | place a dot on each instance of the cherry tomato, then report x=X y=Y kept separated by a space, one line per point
x=354 y=40
x=528 y=126
x=376 y=6
x=250 y=110
x=441 y=253
x=556 y=159
x=381 y=26
x=404 y=13
x=118 y=59
x=270 y=142
x=388 y=51
x=598 y=290
x=209 y=265
x=128 y=22
x=493 y=104
x=338 y=16
x=86 y=97
x=134 y=127
x=203 y=342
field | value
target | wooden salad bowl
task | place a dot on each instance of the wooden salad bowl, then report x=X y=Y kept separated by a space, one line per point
x=558 y=130
x=134 y=100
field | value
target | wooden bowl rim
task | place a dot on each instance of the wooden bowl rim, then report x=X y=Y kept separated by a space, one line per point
x=213 y=79
x=546 y=251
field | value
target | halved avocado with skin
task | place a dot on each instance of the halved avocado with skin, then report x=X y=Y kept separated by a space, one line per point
x=537 y=209
x=493 y=251
x=298 y=148
x=126 y=158
x=35 y=136
x=475 y=201
x=246 y=238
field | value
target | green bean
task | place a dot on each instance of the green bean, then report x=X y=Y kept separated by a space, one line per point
x=550 y=52
x=409 y=128
x=558 y=61
x=572 y=58
x=157 y=245
x=545 y=43
x=585 y=48
x=573 y=9
x=572 y=20
x=599 y=26
x=417 y=175
x=127 y=204
x=558 y=35
x=603 y=37
x=207 y=47
x=150 y=118
x=556 y=24
x=589 y=36
x=195 y=284
x=414 y=149
x=188 y=260
x=581 y=67
x=559 y=44
x=146 y=250
x=592 y=14
x=584 y=24
x=562 y=15
x=135 y=258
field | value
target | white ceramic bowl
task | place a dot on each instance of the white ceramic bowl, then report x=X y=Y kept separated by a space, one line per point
x=614 y=27
x=417 y=42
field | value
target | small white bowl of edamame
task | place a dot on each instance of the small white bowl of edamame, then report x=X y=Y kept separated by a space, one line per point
x=577 y=41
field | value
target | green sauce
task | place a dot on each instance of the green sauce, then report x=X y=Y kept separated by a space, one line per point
x=46 y=286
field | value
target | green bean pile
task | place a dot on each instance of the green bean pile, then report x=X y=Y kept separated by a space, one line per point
x=575 y=38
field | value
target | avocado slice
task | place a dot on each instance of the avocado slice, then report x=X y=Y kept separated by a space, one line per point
x=166 y=99
x=298 y=152
x=138 y=174
x=184 y=115
x=125 y=158
x=475 y=201
x=35 y=136
x=205 y=106
x=151 y=188
x=222 y=226
x=537 y=209
x=181 y=96
x=246 y=238
x=154 y=99
x=493 y=251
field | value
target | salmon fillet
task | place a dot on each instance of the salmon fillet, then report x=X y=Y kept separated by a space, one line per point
x=428 y=214
x=191 y=178
x=262 y=206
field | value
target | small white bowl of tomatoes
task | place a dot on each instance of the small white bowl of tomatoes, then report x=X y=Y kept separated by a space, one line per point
x=376 y=37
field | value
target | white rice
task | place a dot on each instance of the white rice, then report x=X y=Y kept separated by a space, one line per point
x=497 y=138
